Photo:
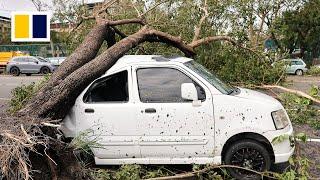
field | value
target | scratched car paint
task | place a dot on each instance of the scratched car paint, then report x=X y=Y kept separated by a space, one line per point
x=156 y=110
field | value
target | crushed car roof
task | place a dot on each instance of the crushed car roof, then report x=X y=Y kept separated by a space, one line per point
x=147 y=59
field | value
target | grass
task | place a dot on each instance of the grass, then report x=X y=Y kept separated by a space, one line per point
x=22 y=94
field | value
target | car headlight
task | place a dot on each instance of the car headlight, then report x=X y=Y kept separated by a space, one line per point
x=280 y=119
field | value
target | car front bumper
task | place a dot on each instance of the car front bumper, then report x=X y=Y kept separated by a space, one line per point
x=281 y=158
x=282 y=150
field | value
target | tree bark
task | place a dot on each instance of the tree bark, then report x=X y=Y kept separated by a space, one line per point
x=87 y=51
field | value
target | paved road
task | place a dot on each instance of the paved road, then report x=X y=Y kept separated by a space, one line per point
x=303 y=83
x=8 y=83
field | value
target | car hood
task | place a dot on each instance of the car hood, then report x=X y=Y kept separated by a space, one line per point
x=257 y=96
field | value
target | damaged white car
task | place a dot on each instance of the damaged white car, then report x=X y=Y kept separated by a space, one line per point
x=157 y=110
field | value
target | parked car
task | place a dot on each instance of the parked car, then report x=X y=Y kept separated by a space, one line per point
x=6 y=56
x=56 y=60
x=157 y=110
x=294 y=66
x=29 y=65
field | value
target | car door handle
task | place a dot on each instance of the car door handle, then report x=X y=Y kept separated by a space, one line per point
x=89 y=110
x=150 y=110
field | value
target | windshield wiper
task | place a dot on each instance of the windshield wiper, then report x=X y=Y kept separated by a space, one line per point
x=233 y=91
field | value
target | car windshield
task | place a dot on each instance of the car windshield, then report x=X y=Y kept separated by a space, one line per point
x=211 y=78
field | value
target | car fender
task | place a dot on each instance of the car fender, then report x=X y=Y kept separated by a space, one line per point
x=224 y=136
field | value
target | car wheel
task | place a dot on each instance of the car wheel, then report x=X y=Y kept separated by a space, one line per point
x=44 y=70
x=299 y=72
x=15 y=71
x=28 y=74
x=248 y=154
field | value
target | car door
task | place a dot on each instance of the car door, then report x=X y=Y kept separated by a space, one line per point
x=23 y=64
x=287 y=64
x=34 y=65
x=171 y=127
x=293 y=67
x=106 y=110
x=300 y=64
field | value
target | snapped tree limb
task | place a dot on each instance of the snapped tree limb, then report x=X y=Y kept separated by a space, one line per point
x=299 y=93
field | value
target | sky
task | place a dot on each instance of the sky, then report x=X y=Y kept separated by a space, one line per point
x=7 y=6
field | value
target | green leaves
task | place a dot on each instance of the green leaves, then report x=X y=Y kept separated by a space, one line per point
x=22 y=94
x=299 y=28
x=314 y=91
x=297 y=137
x=279 y=139
x=314 y=71
x=300 y=110
x=301 y=136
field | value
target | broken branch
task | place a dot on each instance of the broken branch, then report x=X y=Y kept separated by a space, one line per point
x=194 y=173
x=299 y=93
x=202 y=19
x=208 y=40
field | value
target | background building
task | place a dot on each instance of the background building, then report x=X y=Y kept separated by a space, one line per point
x=5 y=24
x=5 y=29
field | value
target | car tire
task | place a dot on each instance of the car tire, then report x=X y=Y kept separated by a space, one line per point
x=28 y=74
x=299 y=72
x=15 y=71
x=249 y=154
x=44 y=70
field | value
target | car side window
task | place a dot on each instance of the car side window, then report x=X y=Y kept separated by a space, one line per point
x=299 y=63
x=113 y=88
x=32 y=60
x=293 y=63
x=16 y=60
x=163 y=85
x=20 y=60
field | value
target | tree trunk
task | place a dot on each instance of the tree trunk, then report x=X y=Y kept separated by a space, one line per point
x=56 y=99
x=87 y=51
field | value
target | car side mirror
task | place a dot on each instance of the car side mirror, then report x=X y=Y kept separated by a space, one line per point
x=189 y=92
x=36 y=62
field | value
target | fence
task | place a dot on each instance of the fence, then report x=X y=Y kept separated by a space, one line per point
x=43 y=50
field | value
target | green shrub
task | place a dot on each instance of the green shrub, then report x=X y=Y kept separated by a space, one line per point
x=22 y=94
x=300 y=110
x=240 y=66
x=314 y=71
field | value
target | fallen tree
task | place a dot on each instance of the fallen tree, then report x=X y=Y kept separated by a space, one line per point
x=32 y=130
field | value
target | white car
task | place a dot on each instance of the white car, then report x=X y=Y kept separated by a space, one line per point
x=294 y=66
x=157 y=110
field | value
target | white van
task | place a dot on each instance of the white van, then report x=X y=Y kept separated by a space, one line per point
x=157 y=110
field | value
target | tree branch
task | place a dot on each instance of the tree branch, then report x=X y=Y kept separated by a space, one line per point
x=120 y=33
x=152 y=8
x=159 y=36
x=299 y=93
x=195 y=173
x=202 y=19
x=124 y=21
x=208 y=40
